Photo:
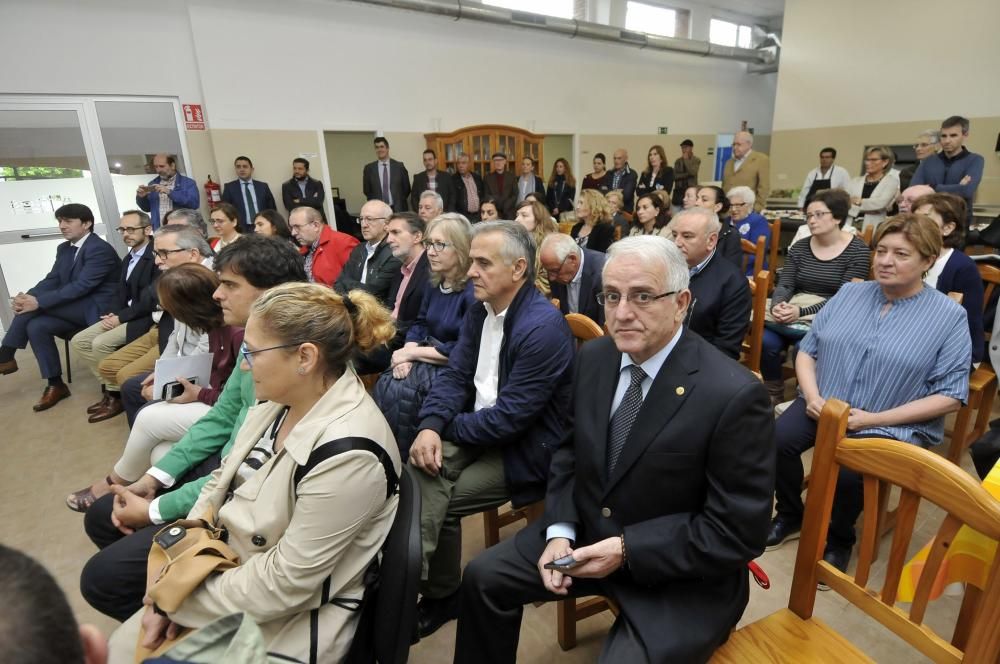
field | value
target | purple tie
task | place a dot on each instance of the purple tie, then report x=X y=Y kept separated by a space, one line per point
x=385 y=183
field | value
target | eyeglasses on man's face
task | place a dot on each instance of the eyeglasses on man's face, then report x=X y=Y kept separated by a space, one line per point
x=164 y=254
x=365 y=221
x=131 y=229
x=639 y=299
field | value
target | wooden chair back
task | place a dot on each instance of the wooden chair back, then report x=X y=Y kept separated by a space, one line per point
x=920 y=474
x=628 y=216
x=991 y=279
x=867 y=234
x=754 y=339
x=566 y=227
x=772 y=258
x=618 y=233
x=756 y=249
x=583 y=328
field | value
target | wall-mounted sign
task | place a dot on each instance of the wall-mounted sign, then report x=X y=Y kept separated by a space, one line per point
x=194 y=117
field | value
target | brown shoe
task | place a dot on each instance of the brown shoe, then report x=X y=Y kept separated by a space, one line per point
x=52 y=395
x=8 y=367
x=114 y=407
x=94 y=407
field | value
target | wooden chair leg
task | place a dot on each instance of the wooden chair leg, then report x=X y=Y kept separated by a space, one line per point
x=566 y=623
x=491 y=527
x=69 y=363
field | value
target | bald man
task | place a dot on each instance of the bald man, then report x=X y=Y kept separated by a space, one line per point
x=624 y=178
x=910 y=194
x=169 y=190
x=749 y=169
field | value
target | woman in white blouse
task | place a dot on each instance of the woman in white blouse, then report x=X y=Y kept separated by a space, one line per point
x=874 y=193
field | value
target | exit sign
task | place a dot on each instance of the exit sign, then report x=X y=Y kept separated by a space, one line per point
x=662 y=130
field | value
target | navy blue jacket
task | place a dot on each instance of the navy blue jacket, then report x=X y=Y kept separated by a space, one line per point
x=960 y=275
x=232 y=193
x=532 y=411
x=945 y=175
x=184 y=195
x=90 y=282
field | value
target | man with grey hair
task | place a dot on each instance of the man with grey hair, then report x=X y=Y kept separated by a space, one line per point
x=659 y=500
x=720 y=295
x=371 y=265
x=909 y=196
x=493 y=414
x=324 y=250
x=574 y=275
x=187 y=217
x=749 y=168
x=429 y=205
x=928 y=143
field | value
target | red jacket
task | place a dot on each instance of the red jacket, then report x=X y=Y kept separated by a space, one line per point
x=332 y=253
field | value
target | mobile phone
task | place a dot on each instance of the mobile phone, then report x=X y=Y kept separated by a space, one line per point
x=174 y=388
x=563 y=564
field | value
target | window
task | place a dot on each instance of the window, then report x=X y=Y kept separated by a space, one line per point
x=727 y=33
x=557 y=8
x=640 y=17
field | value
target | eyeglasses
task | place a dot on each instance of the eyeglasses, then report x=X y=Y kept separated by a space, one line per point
x=164 y=254
x=552 y=274
x=299 y=227
x=248 y=354
x=641 y=299
x=817 y=214
x=371 y=220
x=876 y=158
x=130 y=229
x=737 y=205
x=438 y=247
x=917 y=146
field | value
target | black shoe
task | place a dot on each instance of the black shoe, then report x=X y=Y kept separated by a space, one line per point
x=839 y=558
x=434 y=612
x=781 y=531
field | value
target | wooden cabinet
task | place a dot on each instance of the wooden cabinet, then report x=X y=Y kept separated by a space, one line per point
x=481 y=141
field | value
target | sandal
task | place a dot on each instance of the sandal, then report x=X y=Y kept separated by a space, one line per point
x=80 y=501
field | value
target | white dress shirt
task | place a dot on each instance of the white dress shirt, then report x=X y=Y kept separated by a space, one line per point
x=838 y=176
x=488 y=365
x=573 y=289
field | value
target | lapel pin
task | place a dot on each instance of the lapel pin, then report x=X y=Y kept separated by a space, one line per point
x=679 y=391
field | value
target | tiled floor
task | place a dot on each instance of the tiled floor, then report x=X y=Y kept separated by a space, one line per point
x=47 y=455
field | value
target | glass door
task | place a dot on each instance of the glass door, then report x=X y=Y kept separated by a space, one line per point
x=45 y=162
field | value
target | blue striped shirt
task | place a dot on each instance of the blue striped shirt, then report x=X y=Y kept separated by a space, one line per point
x=873 y=362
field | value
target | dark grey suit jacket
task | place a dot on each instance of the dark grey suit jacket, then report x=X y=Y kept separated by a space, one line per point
x=590 y=285
x=399 y=184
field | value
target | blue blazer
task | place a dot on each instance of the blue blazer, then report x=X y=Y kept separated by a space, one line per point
x=90 y=283
x=960 y=275
x=232 y=193
x=590 y=285
x=184 y=195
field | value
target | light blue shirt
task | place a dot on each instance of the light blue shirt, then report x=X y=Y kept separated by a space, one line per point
x=652 y=367
x=875 y=362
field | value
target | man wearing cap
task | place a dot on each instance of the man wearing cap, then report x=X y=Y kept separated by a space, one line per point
x=501 y=185
x=685 y=171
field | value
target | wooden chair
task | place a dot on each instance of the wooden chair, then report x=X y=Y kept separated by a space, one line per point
x=795 y=635
x=867 y=235
x=618 y=233
x=755 y=335
x=566 y=227
x=991 y=279
x=583 y=329
x=756 y=249
x=628 y=216
x=772 y=258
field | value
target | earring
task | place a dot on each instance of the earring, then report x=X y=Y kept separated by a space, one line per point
x=301 y=371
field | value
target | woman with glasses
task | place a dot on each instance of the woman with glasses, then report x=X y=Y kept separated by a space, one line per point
x=874 y=193
x=185 y=292
x=226 y=222
x=307 y=494
x=751 y=225
x=814 y=271
x=928 y=143
x=433 y=334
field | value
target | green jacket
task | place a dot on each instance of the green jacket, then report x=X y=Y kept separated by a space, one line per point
x=214 y=432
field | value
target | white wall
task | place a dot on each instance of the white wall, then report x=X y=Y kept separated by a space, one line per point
x=861 y=62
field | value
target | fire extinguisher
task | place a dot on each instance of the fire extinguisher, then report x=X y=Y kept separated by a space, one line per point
x=213 y=193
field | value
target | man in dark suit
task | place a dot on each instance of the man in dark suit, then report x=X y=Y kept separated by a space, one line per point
x=574 y=275
x=433 y=180
x=386 y=179
x=468 y=189
x=623 y=178
x=249 y=196
x=80 y=287
x=720 y=295
x=501 y=185
x=302 y=189
x=662 y=495
x=130 y=316
x=371 y=265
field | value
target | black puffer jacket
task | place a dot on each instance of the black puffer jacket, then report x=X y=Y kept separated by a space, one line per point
x=400 y=401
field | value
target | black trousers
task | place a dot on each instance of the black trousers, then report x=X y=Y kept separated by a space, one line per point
x=114 y=579
x=794 y=433
x=132 y=399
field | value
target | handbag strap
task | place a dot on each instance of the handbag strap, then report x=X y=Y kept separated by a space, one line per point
x=332 y=448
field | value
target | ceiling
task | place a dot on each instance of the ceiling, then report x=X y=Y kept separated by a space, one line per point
x=758 y=9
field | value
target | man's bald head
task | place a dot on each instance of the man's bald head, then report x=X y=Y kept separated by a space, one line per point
x=911 y=194
x=742 y=143
x=620 y=157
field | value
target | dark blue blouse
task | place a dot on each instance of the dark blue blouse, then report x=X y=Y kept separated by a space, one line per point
x=441 y=316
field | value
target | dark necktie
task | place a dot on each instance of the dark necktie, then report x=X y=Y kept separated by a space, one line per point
x=624 y=417
x=385 y=184
x=73 y=250
x=251 y=208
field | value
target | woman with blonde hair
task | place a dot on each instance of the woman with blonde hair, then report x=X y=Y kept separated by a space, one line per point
x=874 y=193
x=308 y=492
x=536 y=220
x=593 y=229
x=561 y=188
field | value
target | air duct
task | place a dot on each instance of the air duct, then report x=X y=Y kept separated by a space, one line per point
x=459 y=9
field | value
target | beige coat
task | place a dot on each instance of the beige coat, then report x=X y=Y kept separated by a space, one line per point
x=754 y=173
x=288 y=547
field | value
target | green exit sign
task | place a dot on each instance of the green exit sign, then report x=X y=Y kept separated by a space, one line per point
x=662 y=130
